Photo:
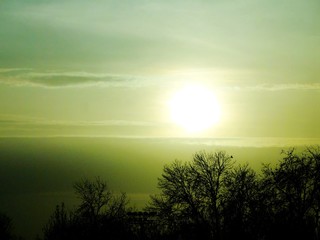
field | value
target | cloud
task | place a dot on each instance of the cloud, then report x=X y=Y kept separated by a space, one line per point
x=25 y=120
x=28 y=77
x=7 y=70
x=280 y=87
x=249 y=142
x=24 y=126
x=59 y=79
x=290 y=86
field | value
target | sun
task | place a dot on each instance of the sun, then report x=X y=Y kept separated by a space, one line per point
x=194 y=108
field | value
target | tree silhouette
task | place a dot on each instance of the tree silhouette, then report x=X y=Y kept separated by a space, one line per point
x=207 y=198
x=210 y=171
x=191 y=195
x=59 y=226
x=293 y=189
x=5 y=227
x=94 y=195
x=100 y=214
x=241 y=198
x=211 y=198
x=177 y=205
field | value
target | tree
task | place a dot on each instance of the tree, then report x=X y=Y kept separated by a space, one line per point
x=191 y=194
x=94 y=196
x=100 y=215
x=241 y=199
x=293 y=191
x=210 y=171
x=5 y=227
x=59 y=226
x=177 y=205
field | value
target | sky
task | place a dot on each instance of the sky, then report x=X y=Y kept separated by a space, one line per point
x=86 y=88
x=109 y=68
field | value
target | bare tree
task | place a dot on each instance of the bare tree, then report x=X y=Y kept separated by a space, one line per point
x=5 y=227
x=241 y=199
x=177 y=204
x=293 y=187
x=58 y=226
x=210 y=171
x=191 y=193
x=94 y=195
x=101 y=214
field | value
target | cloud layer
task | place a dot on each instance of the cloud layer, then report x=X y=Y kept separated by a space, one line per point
x=24 y=120
x=29 y=77
x=280 y=87
x=24 y=126
x=57 y=79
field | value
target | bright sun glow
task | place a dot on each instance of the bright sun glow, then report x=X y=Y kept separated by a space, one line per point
x=194 y=108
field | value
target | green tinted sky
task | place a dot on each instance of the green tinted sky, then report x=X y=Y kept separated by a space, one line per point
x=108 y=68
